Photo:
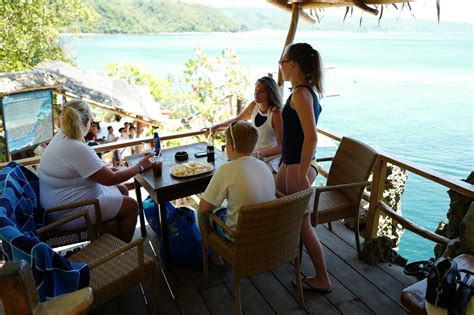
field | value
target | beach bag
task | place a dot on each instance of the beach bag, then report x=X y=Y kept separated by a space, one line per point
x=184 y=238
x=441 y=283
x=150 y=208
x=463 y=302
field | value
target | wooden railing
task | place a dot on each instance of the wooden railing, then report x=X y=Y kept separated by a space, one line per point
x=117 y=145
x=376 y=207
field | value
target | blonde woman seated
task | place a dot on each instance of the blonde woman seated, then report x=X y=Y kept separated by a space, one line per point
x=243 y=181
x=71 y=171
x=265 y=114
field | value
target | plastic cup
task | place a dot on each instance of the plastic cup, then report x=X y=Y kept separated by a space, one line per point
x=157 y=165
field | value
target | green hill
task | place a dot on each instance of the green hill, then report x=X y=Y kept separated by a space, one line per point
x=153 y=16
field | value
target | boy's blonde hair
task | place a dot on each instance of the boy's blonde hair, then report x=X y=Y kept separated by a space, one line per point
x=75 y=112
x=242 y=135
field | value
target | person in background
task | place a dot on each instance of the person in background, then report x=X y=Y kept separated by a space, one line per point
x=110 y=135
x=242 y=181
x=132 y=134
x=126 y=151
x=70 y=171
x=112 y=138
x=91 y=136
x=301 y=65
x=265 y=114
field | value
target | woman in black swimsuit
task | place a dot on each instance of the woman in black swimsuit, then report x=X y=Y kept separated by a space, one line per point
x=301 y=65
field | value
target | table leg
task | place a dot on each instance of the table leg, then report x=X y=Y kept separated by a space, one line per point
x=140 y=207
x=165 y=235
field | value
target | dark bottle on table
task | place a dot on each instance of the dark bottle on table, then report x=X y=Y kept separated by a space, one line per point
x=156 y=143
x=210 y=150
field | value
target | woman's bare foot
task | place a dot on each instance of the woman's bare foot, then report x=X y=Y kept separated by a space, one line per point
x=217 y=261
x=316 y=284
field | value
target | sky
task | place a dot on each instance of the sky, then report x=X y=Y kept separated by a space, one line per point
x=451 y=10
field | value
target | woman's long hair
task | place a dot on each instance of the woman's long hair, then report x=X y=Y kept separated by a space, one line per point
x=272 y=90
x=310 y=63
x=75 y=113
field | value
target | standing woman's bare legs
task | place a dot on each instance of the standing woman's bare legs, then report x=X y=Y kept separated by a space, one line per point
x=308 y=235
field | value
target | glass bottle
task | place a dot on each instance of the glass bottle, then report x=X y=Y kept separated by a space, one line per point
x=156 y=143
x=210 y=149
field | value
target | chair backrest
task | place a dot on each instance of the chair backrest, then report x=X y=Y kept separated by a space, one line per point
x=352 y=163
x=268 y=233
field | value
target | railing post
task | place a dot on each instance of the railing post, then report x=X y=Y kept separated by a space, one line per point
x=376 y=194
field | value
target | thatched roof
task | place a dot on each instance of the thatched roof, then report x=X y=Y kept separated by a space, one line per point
x=13 y=82
x=308 y=7
x=112 y=94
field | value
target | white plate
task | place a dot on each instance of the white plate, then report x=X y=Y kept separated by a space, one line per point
x=191 y=168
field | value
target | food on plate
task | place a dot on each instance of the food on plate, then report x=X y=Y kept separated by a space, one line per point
x=190 y=168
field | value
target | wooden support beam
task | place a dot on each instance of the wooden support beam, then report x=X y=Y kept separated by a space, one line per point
x=288 y=8
x=290 y=37
x=376 y=194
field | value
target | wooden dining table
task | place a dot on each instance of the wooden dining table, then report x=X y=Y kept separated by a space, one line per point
x=168 y=187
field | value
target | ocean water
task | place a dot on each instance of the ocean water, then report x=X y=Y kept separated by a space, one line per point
x=409 y=94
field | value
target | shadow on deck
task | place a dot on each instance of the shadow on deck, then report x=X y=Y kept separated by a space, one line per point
x=358 y=288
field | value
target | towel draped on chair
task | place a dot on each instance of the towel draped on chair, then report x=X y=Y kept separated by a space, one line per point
x=20 y=215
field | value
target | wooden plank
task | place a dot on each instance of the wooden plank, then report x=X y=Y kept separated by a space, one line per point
x=251 y=300
x=188 y=296
x=276 y=294
x=111 y=308
x=377 y=277
x=395 y=271
x=132 y=302
x=218 y=299
x=341 y=297
x=354 y=281
x=314 y=303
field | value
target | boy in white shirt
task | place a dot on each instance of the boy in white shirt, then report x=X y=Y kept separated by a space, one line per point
x=243 y=181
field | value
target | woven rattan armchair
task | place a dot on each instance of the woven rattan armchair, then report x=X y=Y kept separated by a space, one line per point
x=347 y=178
x=57 y=238
x=114 y=265
x=267 y=236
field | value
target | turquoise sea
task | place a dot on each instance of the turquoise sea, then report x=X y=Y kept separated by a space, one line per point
x=410 y=94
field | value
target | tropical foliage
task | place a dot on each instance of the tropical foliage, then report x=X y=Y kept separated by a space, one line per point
x=29 y=30
x=206 y=93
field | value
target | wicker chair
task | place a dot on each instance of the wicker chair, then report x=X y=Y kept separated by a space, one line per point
x=348 y=175
x=267 y=236
x=114 y=265
x=57 y=238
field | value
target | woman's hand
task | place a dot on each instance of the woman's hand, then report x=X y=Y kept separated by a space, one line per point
x=145 y=161
x=303 y=180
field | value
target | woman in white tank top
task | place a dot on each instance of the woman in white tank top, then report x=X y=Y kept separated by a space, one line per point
x=265 y=114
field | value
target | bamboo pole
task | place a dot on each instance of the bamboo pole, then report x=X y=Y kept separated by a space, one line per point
x=411 y=226
x=291 y=36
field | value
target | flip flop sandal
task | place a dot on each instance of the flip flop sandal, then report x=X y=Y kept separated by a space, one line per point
x=309 y=287
x=420 y=269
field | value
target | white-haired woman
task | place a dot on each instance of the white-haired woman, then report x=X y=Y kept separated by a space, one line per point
x=71 y=171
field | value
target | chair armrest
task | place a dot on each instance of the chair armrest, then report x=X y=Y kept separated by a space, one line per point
x=325 y=159
x=68 y=218
x=137 y=243
x=319 y=190
x=76 y=302
x=341 y=186
x=94 y=202
x=222 y=224
x=279 y=194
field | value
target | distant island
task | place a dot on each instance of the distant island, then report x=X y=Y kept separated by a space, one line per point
x=157 y=16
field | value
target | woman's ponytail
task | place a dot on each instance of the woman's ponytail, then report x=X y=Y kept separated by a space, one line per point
x=75 y=112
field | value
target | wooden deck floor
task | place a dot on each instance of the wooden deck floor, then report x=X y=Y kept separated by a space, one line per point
x=358 y=288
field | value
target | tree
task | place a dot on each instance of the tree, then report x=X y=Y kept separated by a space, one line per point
x=29 y=30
